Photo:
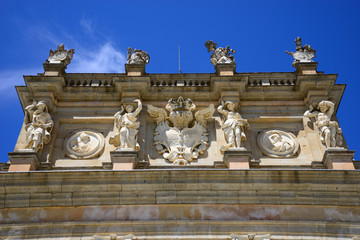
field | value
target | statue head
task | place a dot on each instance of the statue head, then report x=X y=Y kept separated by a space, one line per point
x=298 y=43
x=324 y=106
x=129 y=108
x=229 y=105
x=61 y=47
x=41 y=105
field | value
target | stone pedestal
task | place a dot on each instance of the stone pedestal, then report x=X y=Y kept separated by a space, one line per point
x=237 y=158
x=306 y=68
x=135 y=70
x=225 y=69
x=338 y=158
x=54 y=69
x=123 y=160
x=23 y=161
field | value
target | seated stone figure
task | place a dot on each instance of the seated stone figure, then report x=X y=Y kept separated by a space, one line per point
x=127 y=125
x=60 y=55
x=330 y=132
x=38 y=125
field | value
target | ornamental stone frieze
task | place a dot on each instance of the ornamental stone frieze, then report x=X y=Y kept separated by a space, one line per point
x=178 y=137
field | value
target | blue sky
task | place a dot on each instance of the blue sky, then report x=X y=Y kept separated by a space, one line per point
x=100 y=32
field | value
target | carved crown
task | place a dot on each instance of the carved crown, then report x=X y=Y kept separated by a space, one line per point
x=180 y=105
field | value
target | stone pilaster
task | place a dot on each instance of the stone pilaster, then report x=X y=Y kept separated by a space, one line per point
x=23 y=161
x=237 y=158
x=123 y=160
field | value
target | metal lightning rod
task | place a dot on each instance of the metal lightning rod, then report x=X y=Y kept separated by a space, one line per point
x=179 y=58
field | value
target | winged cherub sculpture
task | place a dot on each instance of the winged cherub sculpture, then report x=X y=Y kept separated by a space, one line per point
x=178 y=137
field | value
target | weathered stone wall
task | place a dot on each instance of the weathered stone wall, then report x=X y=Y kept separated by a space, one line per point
x=169 y=204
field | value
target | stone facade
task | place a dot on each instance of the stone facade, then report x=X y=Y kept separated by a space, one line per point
x=147 y=156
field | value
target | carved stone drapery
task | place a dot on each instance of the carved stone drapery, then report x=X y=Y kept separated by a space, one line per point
x=39 y=125
x=178 y=138
x=127 y=126
x=234 y=126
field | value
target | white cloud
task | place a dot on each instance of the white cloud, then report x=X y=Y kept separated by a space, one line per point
x=12 y=78
x=87 y=25
x=104 y=60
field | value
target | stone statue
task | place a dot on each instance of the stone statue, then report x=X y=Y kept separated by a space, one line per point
x=330 y=132
x=60 y=55
x=234 y=126
x=38 y=125
x=220 y=55
x=137 y=56
x=178 y=138
x=249 y=237
x=302 y=54
x=127 y=125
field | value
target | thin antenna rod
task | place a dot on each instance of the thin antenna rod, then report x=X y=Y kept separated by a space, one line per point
x=179 y=58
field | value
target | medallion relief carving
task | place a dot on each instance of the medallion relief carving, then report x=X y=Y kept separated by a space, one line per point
x=178 y=137
x=84 y=144
x=277 y=143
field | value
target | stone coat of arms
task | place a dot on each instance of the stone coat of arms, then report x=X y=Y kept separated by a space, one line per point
x=178 y=137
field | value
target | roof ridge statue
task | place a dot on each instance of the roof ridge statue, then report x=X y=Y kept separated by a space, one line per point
x=60 y=55
x=136 y=56
x=220 y=54
x=303 y=53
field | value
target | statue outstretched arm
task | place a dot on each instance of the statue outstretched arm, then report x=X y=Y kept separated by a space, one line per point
x=222 y=110
x=310 y=113
x=137 y=111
